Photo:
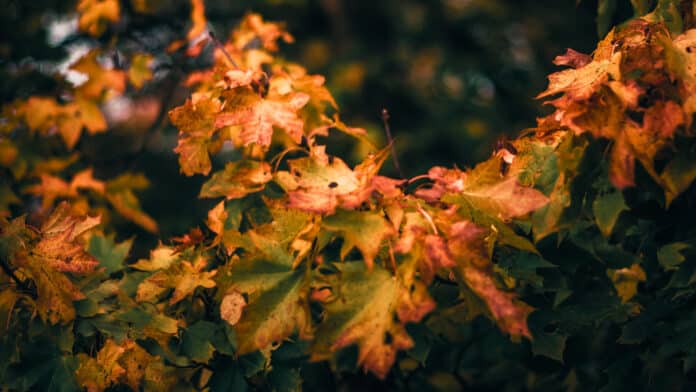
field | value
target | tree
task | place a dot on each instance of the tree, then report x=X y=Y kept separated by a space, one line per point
x=562 y=261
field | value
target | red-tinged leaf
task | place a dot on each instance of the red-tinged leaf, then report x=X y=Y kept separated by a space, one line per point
x=237 y=180
x=573 y=59
x=468 y=246
x=61 y=245
x=257 y=116
x=365 y=230
x=484 y=189
x=663 y=118
x=320 y=184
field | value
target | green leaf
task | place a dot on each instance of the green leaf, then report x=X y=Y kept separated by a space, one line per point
x=550 y=345
x=227 y=376
x=670 y=256
x=363 y=313
x=195 y=342
x=275 y=306
x=679 y=173
x=110 y=255
x=605 y=12
x=606 y=209
x=364 y=230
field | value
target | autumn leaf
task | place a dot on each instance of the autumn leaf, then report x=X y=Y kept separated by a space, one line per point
x=182 y=276
x=275 y=307
x=61 y=246
x=195 y=120
x=96 y=14
x=320 y=183
x=257 y=116
x=139 y=71
x=364 y=230
x=237 y=180
x=97 y=374
x=119 y=192
x=101 y=81
x=362 y=310
x=483 y=189
x=626 y=280
x=468 y=246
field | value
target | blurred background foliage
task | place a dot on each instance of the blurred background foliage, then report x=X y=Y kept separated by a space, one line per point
x=454 y=74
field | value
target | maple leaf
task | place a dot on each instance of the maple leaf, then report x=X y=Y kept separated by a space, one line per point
x=101 y=81
x=237 y=180
x=253 y=27
x=139 y=71
x=183 y=276
x=275 y=307
x=97 y=374
x=362 y=310
x=61 y=245
x=96 y=14
x=257 y=115
x=119 y=192
x=363 y=230
x=51 y=188
x=195 y=120
x=320 y=183
x=468 y=246
x=483 y=189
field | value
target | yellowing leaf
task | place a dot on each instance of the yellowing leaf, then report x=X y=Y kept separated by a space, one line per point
x=97 y=374
x=363 y=230
x=363 y=310
x=626 y=281
x=237 y=180
x=139 y=71
x=61 y=245
x=195 y=120
x=257 y=115
x=184 y=277
x=96 y=14
x=101 y=81
x=275 y=308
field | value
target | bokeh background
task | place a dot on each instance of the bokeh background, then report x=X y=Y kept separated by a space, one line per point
x=454 y=74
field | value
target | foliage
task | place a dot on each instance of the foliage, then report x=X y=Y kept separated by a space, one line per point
x=309 y=267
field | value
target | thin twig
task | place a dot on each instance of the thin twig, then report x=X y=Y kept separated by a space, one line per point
x=390 y=139
x=220 y=46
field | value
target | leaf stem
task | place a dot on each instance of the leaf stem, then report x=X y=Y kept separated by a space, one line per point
x=390 y=139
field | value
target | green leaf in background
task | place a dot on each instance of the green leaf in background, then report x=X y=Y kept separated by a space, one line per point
x=605 y=12
x=110 y=254
x=606 y=209
x=670 y=256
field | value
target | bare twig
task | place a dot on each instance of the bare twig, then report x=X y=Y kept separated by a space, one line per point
x=224 y=51
x=390 y=140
